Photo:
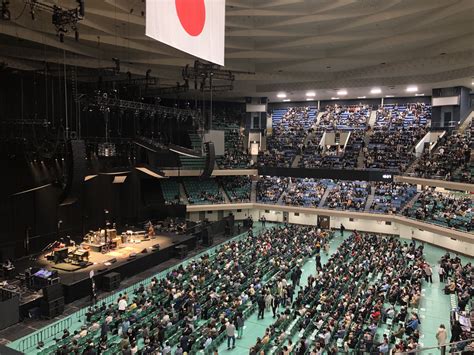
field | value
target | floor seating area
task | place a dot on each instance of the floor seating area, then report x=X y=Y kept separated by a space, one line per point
x=202 y=191
x=189 y=307
x=348 y=195
x=447 y=210
x=238 y=188
x=391 y=197
x=398 y=128
x=346 y=304
x=290 y=127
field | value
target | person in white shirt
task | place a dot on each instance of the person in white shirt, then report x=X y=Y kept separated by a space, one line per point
x=230 y=330
x=122 y=305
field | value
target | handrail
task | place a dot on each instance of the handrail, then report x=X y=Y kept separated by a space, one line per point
x=419 y=350
x=431 y=227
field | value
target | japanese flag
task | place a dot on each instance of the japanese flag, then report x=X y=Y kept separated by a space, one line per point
x=196 y=27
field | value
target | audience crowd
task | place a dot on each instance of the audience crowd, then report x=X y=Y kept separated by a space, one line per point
x=396 y=132
x=348 y=195
x=391 y=197
x=270 y=188
x=343 y=305
x=238 y=188
x=337 y=117
x=305 y=192
x=448 y=210
x=451 y=154
x=290 y=127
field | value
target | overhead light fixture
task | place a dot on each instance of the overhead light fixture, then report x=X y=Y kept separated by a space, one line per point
x=389 y=96
x=412 y=88
x=311 y=94
x=376 y=91
x=307 y=99
x=342 y=92
x=286 y=100
x=361 y=97
x=419 y=94
x=334 y=98
x=281 y=95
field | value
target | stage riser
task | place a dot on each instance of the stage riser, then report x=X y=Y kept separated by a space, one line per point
x=82 y=288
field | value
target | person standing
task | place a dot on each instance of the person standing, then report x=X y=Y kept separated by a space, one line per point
x=441 y=336
x=261 y=306
x=441 y=273
x=240 y=325
x=342 y=230
x=230 y=330
x=428 y=273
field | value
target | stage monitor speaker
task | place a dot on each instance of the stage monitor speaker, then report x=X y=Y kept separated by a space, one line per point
x=74 y=172
x=53 y=292
x=111 y=281
x=9 y=308
x=52 y=308
x=207 y=237
x=210 y=159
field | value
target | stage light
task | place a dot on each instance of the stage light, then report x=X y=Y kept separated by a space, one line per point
x=361 y=97
x=342 y=92
x=334 y=98
x=310 y=94
x=309 y=99
x=419 y=94
x=281 y=95
x=106 y=150
x=413 y=88
x=376 y=91
x=389 y=96
x=286 y=100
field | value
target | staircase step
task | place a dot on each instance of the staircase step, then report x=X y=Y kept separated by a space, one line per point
x=325 y=196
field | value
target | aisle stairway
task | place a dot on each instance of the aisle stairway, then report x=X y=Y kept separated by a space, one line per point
x=253 y=192
x=325 y=196
x=370 y=198
x=182 y=194
x=411 y=202
x=224 y=193
x=372 y=118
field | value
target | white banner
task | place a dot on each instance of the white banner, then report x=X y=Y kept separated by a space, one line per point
x=196 y=27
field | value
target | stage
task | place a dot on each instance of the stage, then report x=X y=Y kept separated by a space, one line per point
x=127 y=260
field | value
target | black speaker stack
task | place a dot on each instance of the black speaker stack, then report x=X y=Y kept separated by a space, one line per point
x=207 y=237
x=76 y=167
x=111 y=281
x=210 y=159
x=52 y=304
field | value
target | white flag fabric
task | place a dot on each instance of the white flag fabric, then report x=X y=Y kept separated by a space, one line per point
x=196 y=27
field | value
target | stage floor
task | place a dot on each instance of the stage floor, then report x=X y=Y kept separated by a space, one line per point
x=69 y=273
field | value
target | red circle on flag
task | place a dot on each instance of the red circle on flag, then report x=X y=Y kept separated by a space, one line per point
x=192 y=15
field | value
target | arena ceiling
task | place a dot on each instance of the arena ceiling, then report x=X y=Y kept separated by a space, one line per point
x=293 y=46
